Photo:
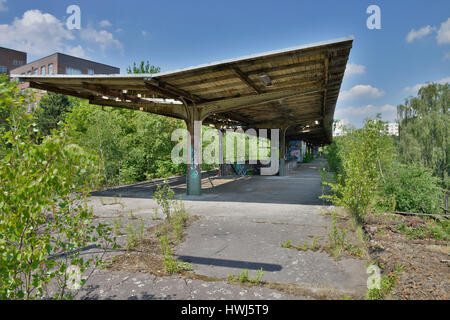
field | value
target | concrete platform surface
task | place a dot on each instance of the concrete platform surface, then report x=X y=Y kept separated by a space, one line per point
x=243 y=223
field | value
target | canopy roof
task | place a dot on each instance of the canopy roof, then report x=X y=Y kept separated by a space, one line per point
x=298 y=87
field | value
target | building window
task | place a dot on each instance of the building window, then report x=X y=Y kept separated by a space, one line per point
x=18 y=62
x=36 y=71
x=29 y=72
x=73 y=71
x=43 y=70
x=91 y=72
x=50 y=68
x=3 y=69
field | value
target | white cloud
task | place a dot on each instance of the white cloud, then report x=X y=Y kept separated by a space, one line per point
x=388 y=112
x=419 y=34
x=37 y=33
x=443 y=35
x=414 y=89
x=119 y=30
x=3 y=7
x=144 y=33
x=77 y=51
x=360 y=92
x=353 y=68
x=345 y=122
x=105 y=24
x=103 y=38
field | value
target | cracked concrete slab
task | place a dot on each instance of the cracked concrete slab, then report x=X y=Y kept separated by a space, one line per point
x=121 y=285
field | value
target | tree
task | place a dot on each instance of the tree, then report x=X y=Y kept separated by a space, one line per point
x=131 y=145
x=424 y=124
x=143 y=68
x=52 y=109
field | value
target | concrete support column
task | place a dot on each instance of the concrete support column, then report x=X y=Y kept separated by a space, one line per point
x=282 y=171
x=194 y=172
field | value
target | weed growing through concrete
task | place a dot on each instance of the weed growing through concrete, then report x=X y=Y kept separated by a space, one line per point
x=338 y=242
x=172 y=227
x=117 y=226
x=155 y=214
x=163 y=196
x=287 y=244
x=170 y=264
x=141 y=228
x=306 y=246
x=258 y=277
x=131 y=236
x=134 y=233
x=113 y=202
x=244 y=278
x=336 y=237
x=132 y=216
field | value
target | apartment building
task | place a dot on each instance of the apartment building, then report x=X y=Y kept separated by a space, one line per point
x=59 y=63
x=392 y=128
x=11 y=59
x=338 y=128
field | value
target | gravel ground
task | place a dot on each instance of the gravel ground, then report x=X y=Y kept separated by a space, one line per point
x=425 y=277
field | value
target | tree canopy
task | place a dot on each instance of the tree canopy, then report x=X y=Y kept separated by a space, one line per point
x=424 y=130
x=52 y=109
x=143 y=67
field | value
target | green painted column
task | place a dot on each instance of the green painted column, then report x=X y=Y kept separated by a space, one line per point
x=194 y=172
x=194 y=182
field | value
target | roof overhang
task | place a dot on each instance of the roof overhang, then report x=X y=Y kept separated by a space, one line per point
x=296 y=87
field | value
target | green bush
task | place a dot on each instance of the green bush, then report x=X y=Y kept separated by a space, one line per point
x=361 y=157
x=412 y=188
x=332 y=155
x=44 y=219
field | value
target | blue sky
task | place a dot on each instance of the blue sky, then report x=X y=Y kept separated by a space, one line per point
x=387 y=65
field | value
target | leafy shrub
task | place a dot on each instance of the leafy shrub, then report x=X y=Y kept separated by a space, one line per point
x=412 y=188
x=163 y=196
x=364 y=155
x=332 y=155
x=44 y=219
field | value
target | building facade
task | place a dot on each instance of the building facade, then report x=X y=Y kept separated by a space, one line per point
x=338 y=128
x=11 y=59
x=392 y=128
x=59 y=63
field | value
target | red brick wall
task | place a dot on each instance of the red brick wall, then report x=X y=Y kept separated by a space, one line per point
x=7 y=57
